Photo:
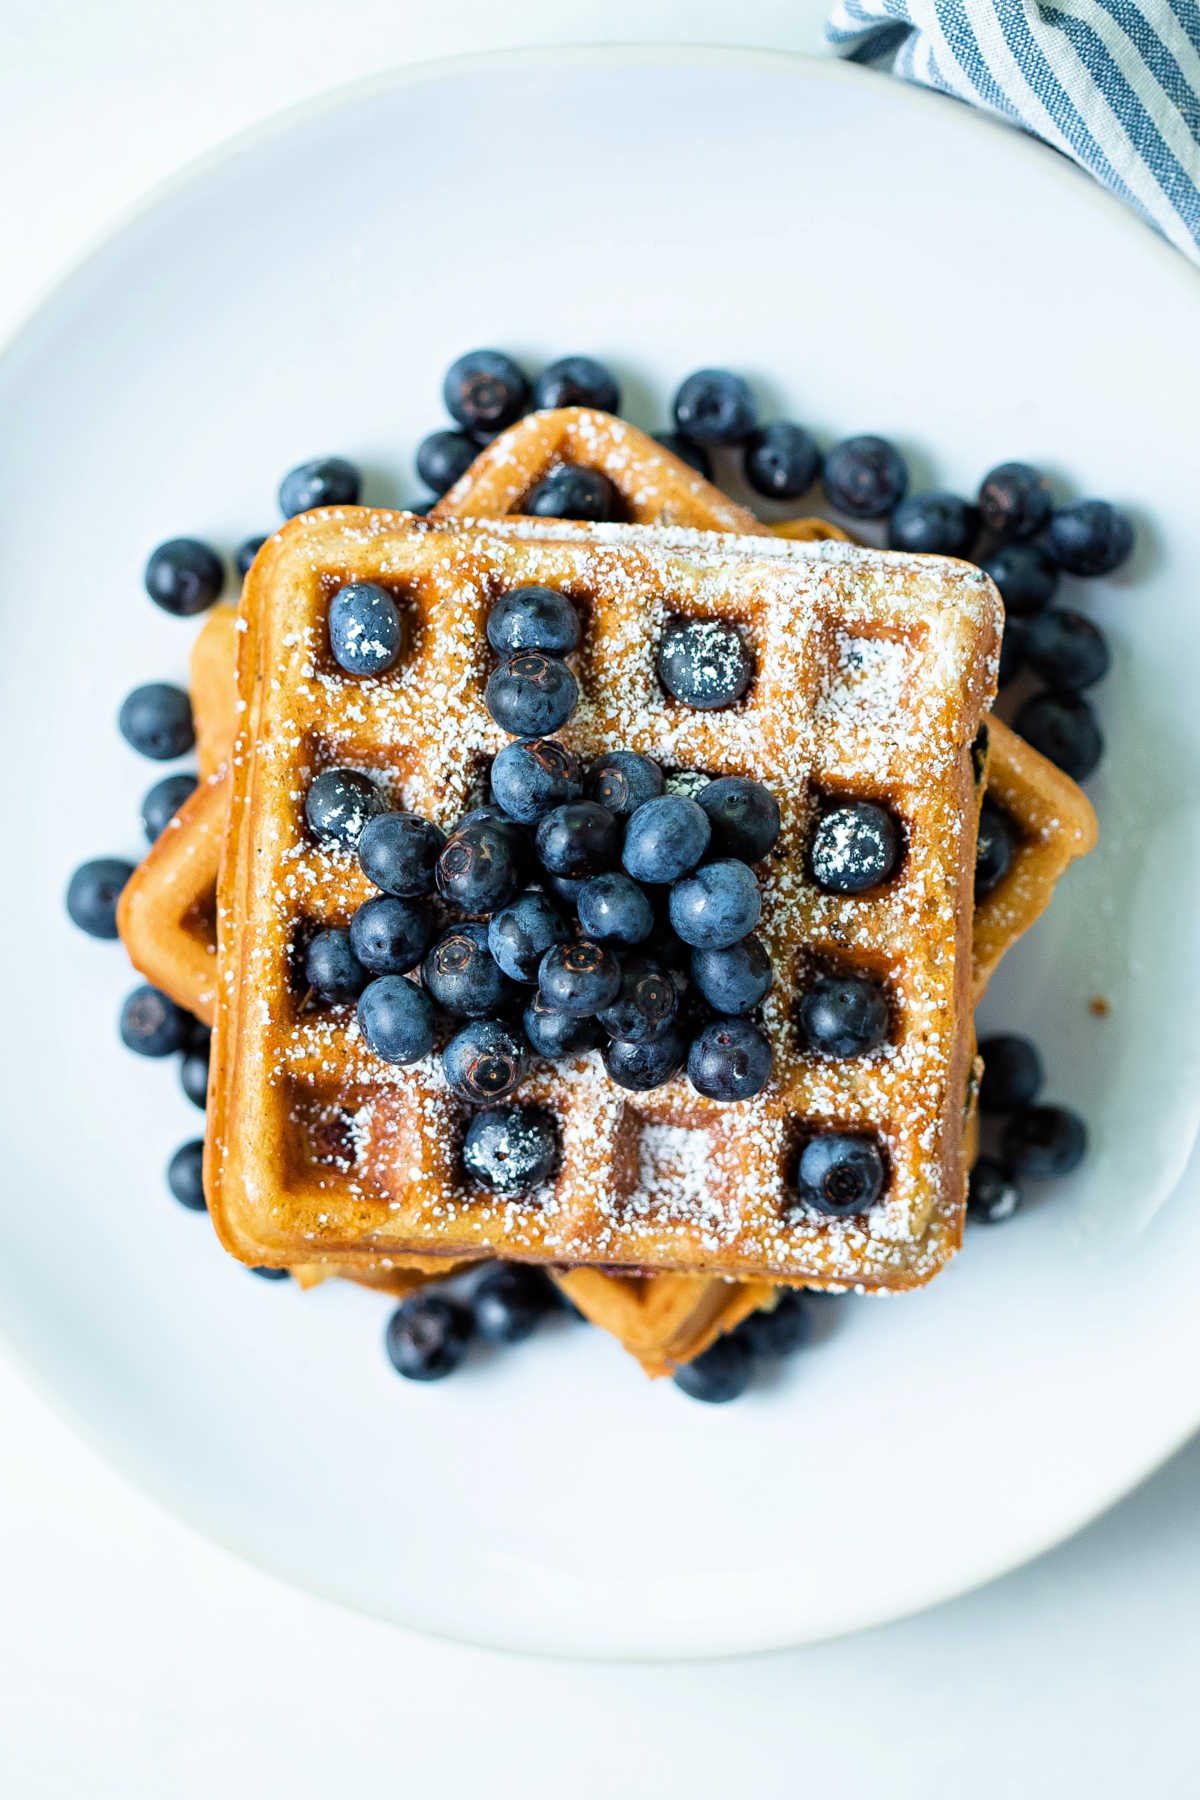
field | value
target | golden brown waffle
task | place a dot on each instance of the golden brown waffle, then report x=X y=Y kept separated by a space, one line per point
x=214 y=696
x=167 y=913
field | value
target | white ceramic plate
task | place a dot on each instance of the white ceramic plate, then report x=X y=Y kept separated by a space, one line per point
x=876 y=260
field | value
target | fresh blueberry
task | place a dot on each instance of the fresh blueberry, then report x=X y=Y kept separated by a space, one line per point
x=400 y=852
x=157 y=721
x=152 y=1024
x=840 y=1174
x=485 y=1061
x=992 y=1195
x=339 y=803
x=193 y=1076
x=520 y=934
x=1089 y=537
x=730 y=1060
x=533 y=618
x=1066 y=650
x=396 y=1019
x=716 y=906
x=580 y=978
x=443 y=457
x=714 y=407
x=184 y=576
x=705 y=663
x=1012 y=1073
x=622 y=780
x=1063 y=727
x=366 y=631
x=937 y=524
x=266 y=1274
x=778 y=1330
x=326 y=481
x=577 y=381
x=1043 y=1141
x=736 y=979
x=331 y=969
x=782 y=461
x=843 y=1015
x=427 y=1336
x=865 y=477
x=531 y=695
x=485 y=391
x=511 y=1148
x=744 y=816
x=185 y=1175
x=164 y=801
x=93 y=892
x=854 y=848
x=462 y=975
x=510 y=1303
x=533 y=776
x=1025 y=576
x=1014 y=500
x=641 y=1067
x=994 y=849
x=645 y=1005
x=573 y=492
x=694 y=455
x=565 y=888
x=578 y=840
x=614 y=909
x=665 y=839
x=245 y=554
x=1012 y=651
x=478 y=869
x=390 y=936
x=719 y=1374
x=555 y=1034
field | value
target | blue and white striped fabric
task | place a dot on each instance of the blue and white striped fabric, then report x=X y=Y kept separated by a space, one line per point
x=1115 y=84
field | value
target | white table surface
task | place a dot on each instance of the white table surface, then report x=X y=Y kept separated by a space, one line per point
x=136 y=1660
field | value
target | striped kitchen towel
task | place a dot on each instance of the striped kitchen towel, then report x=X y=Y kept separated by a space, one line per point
x=1115 y=84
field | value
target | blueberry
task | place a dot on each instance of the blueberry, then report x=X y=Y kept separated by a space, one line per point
x=1012 y=651
x=937 y=524
x=511 y=1148
x=1089 y=537
x=531 y=695
x=840 y=1174
x=245 y=554
x=1043 y=1141
x=614 y=909
x=164 y=801
x=185 y=1175
x=265 y=1274
x=782 y=461
x=865 y=477
x=705 y=663
x=694 y=455
x=1012 y=1073
x=843 y=1015
x=730 y=1060
x=520 y=934
x=565 y=888
x=577 y=381
x=443 y=457
x=510 y=1303
x=1014 y=500
x=157 y=721
x=478 y=869
x=994 y=849
x=93 y=892
x=390 y=936
x=1066 y=650
x=486 y=1060
x=992 y=1195
x=533 y=776
x=854 y=848
x=665 y=839
x=396 y=1019
x=193 y=1076
x=780 y=1329
x=573 y=492
x=641 y=1067
x=366 y=631
x=1025 y=576
x=326 y=481
x=184 y=576
x=1063 y=727
x=485 y=391
x=399 y=852
x=533 y=618
x=714 y=407
x=556 y=1034
x=622 y=780
x=427 y=1336
x=331 y=969
x=744 y=816
x=719 y=1374
x=645 y=1005
x=462 y=975
x=716 y=906
x=579 y=978
x=734 y=980
x=339 y=803
x=152 y=1024
x=578 y=840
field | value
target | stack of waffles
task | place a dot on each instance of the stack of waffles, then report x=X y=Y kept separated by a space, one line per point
x=669 y=1216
